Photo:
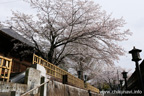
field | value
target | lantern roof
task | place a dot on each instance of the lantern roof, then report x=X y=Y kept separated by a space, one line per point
x=135 y=50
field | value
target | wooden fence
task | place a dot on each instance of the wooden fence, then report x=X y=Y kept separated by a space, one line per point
x=57 y=72
x=5 y=68
x=92 y=88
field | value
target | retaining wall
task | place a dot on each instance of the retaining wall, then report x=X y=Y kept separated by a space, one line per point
x=33 y=78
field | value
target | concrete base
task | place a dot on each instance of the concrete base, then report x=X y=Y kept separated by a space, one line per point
x=36 y=76
x=59 y=89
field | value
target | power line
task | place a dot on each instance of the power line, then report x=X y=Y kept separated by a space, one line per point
x=10 y=2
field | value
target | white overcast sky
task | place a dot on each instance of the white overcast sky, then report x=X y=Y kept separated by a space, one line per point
x=130 y=10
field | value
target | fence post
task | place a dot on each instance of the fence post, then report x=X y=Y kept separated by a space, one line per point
x=89 y=93
x=14 y=93
x=42 y=87
x=1 y=64
x=65 y=79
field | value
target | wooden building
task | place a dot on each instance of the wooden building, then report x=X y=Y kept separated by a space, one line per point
x=133 y=82
x=8 y=40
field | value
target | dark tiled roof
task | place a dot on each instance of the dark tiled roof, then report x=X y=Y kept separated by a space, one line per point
x=133 y=78
x=17 y=36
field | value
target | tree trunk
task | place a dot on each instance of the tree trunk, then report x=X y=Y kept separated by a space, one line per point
x=50 y=54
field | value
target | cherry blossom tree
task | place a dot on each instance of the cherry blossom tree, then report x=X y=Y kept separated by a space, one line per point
x=62 y=29
x=110 y=76
x=1 y=25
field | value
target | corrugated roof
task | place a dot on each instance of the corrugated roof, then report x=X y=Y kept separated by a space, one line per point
x=17 y=36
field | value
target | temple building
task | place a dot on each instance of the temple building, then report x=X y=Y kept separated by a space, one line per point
x=10 y=42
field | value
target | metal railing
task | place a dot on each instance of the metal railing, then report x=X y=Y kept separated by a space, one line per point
x=57 y=72
x=5 y=68
x=28 y=92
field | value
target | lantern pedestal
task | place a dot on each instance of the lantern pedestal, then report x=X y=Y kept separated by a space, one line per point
x=136 y=57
